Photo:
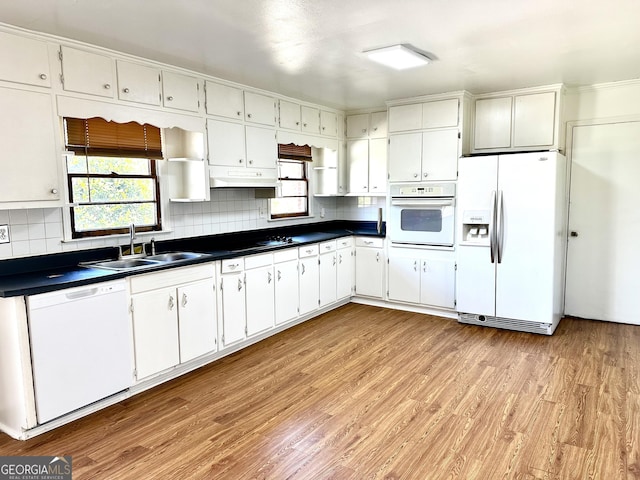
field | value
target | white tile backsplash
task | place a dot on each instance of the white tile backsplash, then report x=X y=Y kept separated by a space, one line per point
x=38 y=231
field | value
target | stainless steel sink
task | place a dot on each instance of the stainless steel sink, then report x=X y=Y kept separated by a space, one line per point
x=125 y=264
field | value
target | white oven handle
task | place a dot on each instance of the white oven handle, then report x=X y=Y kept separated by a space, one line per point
x=423 y=202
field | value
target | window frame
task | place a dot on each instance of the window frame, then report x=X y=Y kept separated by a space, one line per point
x=305 y=179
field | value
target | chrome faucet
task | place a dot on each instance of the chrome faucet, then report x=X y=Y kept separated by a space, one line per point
x=132 y=236
x=153 y=246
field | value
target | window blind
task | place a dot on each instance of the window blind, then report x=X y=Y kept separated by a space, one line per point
x=99 y=137
x=294 y=152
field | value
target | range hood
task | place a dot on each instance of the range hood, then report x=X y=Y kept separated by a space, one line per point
x=221 y=177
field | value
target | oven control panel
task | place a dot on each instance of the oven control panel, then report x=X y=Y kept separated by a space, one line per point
x=423 y=190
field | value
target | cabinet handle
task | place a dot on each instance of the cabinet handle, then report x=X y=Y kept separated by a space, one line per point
x=125 y=90
x=374 y=187
x=250 y=162
x=426 y=175
x=415 y=266
x=268 y=277
x=334 y=260
x=248 y=115
x=54 y=191
x=309 y=251
x=240 y=161
x=378 y=257
x=171 y=302
x=170 y=98
x=340 y=259
x=233 y=266
x=415 y=175
x=239 y=113
x=43 y=76
x=322 y=128
x=375 y=129
x=297 y=123
x=364 y=130
x=107 y=86
x=184 y=300
x=279 y=275
x=424 y=267
x=303 y=269
x=304 y=124
x=364 y=188
x=368 y=242
x=239 y=284
x=327 y=247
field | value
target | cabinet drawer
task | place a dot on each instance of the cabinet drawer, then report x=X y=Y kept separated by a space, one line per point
x=231 y=265
x=170 y=277
x=329 y=246
x=257 y=261
x=308 y=251
x=285 y=255
x=369 y=242
x=345 y=242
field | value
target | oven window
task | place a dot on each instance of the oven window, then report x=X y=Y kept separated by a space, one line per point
x=421 y=220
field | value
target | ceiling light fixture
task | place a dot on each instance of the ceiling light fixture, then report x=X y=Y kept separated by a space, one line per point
x=399 y=57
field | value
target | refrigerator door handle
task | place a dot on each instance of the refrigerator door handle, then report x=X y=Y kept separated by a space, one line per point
x=500 y=228
x=492 y=228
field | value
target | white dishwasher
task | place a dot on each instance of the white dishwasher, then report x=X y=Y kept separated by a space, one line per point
x=81 y=347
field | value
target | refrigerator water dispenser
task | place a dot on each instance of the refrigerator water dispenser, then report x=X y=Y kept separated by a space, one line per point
x=475 y=226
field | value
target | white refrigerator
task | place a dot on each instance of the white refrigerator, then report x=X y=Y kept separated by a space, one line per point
x=511 y=241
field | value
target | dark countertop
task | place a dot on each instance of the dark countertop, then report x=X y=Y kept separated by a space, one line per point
x=46 y=273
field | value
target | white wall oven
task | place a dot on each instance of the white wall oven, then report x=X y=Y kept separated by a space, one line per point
x=422 y=214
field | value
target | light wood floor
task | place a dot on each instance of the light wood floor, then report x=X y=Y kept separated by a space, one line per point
x=365 y=392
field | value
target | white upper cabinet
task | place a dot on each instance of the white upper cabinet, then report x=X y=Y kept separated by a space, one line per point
x=328 y=123
x=24 y=60
x=259 y=108
x=519 y=121
x=405 y=117
x=138 y=83
x=88 y=72
x=378 y=125
x=224 y=100
x=405 y=157
x=289 y=115
x=358 y=126
x=226 y=143
x=440 y=113
x=180 y=92
x=310 y=119
x=440 y=154
x=262 y=147
x=377 y=165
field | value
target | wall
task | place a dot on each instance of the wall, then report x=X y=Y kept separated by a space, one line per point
x=608 y=100
x=40 y=231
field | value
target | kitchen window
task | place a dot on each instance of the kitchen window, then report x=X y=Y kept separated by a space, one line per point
x=112 y=177
x=293 y=200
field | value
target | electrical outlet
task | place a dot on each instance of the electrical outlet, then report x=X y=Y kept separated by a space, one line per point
x=4 y=234
x=322 y=212
x=261 y=212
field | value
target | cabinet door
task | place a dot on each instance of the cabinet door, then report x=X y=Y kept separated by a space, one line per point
x=345 y=273
x=197 y=319
x=492 y=123
x=534 y=120
x=309 y=280
x=86 y=72
x=358 y=126
x=328 y=269
x=233 y=308
x=24 y=60
x=259 y=108
x=28 y=158
x=260 y=295
x=405 y=117
x=328 y=123
x=262 y=147
x=224 y=100
x=155 y=331
x=378 y=165
x=378 y=128
x=180 y=92
x=405 y=157
x=441 y=113
x=226 y=143
x=440 y=154
x=437 y=283
x=404 y=279
x=138 y=83
x=310 y=119
x=287 y=291
x=358 y=161
x=289 y=115
x=369 y=272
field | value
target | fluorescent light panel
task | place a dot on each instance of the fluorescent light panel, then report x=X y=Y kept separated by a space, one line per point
x=397 y=56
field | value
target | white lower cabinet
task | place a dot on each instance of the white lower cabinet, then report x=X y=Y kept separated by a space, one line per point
x=260 y=293
x=345 y=268
x=287 y=291
x=328 y=267
x=231 y=299
x=370 y=267
x=422 y=277
x=174 y=317
x=309 y=278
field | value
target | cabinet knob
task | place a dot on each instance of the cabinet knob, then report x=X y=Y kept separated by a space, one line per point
x=374 y=187
x=375 y=129
x=125 y=90
x=54 y=191
x=297 y=123
x=248 y=115
x=304 y=124
x=364 y=188
x=170 y=98
x=426 y=175
x=43 y=76
x=250 y=162
x=323 y=128
x=415 y=175
x=240 y=161
x=107 y=86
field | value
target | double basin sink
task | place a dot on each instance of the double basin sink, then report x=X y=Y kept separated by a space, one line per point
x=136 y=263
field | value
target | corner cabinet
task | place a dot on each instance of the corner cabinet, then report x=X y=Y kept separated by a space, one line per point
x=528 y=119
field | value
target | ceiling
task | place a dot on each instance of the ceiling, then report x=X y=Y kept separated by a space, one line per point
x=312 y=50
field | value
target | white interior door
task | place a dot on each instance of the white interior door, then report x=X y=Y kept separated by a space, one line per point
x=603 y=260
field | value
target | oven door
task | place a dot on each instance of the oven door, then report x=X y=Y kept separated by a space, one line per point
x=422 y=221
